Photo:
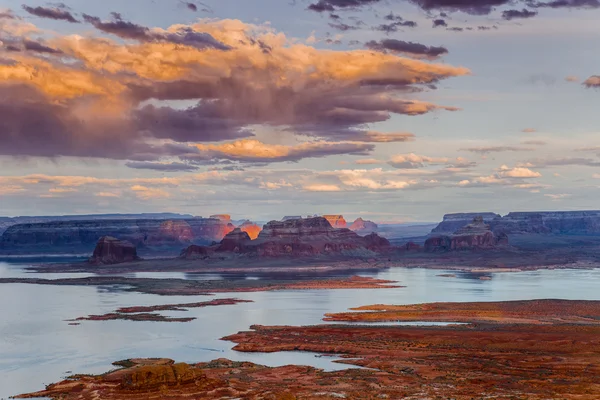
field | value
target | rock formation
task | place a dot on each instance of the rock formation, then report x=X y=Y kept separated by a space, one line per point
x=311 y=236
x=453 y=222
x=557 y=222
x=236 y=241
x=362 y=226
x=81 y=236
x=544 y=222
x=222 y=217
x=110 y=250
x=294 y=237
x=476 y=235
x=288 y=217
x=337 y=221
x=251 y=229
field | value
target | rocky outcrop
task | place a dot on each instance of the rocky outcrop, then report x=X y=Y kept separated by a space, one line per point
x=195 y=252
x=337 y=221
x=222 y=217
x=288 y=217
x=362 y=226
x=251 y=229
x=81 y=236
x=474 y=236
x=311 y=236
x=411 y=246
x=543 y=222
x=555 y=222
x=295 y=237
x=110 y=250
x=453 y=222
x=236 y=241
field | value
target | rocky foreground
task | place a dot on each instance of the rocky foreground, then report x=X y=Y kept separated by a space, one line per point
x=496 y=357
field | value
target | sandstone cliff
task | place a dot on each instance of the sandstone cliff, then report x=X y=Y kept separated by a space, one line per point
x=251 y=229
x=543 y=222
x=110 y=250
x=453 y=222
x=336 y=221
x=81 y=236
x=474 y=236
x=295 y=237
x=362 y=226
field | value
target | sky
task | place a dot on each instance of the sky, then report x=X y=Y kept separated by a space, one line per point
x=390 y=110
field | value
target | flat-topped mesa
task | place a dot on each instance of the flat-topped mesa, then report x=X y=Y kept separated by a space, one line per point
x=289 y=217
x=474 y=236
x=550 y=222
x=362 y=226
x=337 y=221
x=453 y=222
x=82 y=235
x=110 y=250
x=311 y=236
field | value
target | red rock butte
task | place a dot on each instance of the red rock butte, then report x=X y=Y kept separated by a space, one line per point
x=336 y=221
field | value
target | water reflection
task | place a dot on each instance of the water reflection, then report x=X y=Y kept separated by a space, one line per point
x=37 y=346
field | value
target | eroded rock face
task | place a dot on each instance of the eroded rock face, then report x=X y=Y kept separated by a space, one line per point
x=251 y=229
x=310 y=236
x=295 y=237
x=195 y=252
x=81 y=236
x=336 y=221
x=476 y=235
x=110 y=250
x=236 y=241
x=453 y=222
x=362 y=226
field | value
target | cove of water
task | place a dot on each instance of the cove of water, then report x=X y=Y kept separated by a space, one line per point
x=38 y=347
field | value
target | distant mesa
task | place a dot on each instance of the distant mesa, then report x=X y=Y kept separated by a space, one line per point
x=534 y=222
x=110 y=250
x=362 y=226
x=453 y=222
x=474 y=236
x=296 y=238
x=222 y=217
x=336 y=221
x=289 y=217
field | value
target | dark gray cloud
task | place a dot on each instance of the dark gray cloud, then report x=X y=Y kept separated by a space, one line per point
x=129 y=30
x=204 y=122
x=333 y=5
x=37 y=47
x=32 y=125
x=394 y=23
x=518 y=14
x=191 y=6
x=343 y=27
x=165 y=167
x=474 y=7
x=51 y=13
x=455 y=29
x=439 y=22
x=565 y=4
x=400 y=46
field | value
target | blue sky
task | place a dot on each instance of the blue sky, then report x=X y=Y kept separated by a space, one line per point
x=523 y=137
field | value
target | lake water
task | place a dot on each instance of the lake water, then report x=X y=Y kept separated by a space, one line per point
x=38 y=347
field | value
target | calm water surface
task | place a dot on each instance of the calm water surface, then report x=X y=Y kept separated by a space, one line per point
x=38 y=347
